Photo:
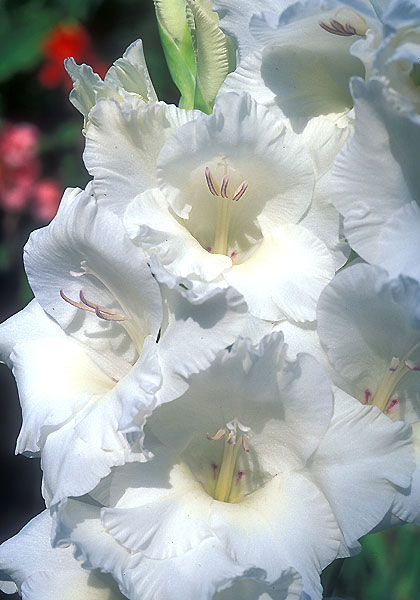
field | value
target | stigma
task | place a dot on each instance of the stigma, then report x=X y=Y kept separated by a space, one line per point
x=225 y=203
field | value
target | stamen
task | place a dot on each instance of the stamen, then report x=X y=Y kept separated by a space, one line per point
x=346 y=23
x=223 y=187
x=100 y=311
x=245 y=443
x=368 y=396
x=240 y=191
x=231 y=438
x=74 y=303
x=395 y=363
x=217 y=436
x=411 y=366
x=210 y=183
x=338 y=28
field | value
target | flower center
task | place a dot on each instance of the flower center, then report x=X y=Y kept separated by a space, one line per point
x=225 y=204
x=396 y=371
x=228 y=476
x=346 y=22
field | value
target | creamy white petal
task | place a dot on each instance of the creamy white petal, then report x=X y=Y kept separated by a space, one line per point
x=285 y=275
x=200 y=322
x=234 y=19
x=151 y=224
x=30 y=323
x=45 y=573
x=387 y=133
x=252 y=585
x=399 y=242
x=262 y=530
x=130 y=73
x=123 y=141
x=354 y=448
x=198 y=573
x=81 y=436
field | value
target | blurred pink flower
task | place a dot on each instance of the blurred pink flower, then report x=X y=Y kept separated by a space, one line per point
x=20 y=168
x=47 y=194
x=18 y=144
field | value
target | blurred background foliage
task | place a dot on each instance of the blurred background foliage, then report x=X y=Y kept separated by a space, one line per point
x=40 y=154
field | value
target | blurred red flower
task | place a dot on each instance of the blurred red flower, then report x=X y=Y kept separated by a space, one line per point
x=67 y=40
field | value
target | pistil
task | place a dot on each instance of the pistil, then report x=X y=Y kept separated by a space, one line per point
x=396 y=371
x=229 y=477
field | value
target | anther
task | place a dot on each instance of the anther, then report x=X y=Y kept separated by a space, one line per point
x=411 y=366
x=338 y=28
x=245 y=444
x=240 y=191
x=210 y=183
x=395 y=363
x=217 y=436
x=224 y=186
x=231 y=438
x=100 y=311
x=368 y=396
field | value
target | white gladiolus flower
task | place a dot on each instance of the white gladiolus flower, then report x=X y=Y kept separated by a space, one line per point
x=29 y=565
x=123 y=141
x=301 y=64
x=394 y=52
x=369 y=326
x=381 y=214
x=233 y=206
x=95 y=347
x=127 y=77
x=254 y=467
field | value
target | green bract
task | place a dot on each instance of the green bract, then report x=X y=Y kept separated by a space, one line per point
x=198 y=53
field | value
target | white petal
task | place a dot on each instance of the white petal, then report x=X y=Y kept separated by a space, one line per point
x=362 y=459
x=262 y=529
x=252 y=585
x=364 y=320
x=80 y=437
x=399 y=242
x=86 y=237
x=44 y=573
x=151 y=224
x=387 y=133
x=123 y=141
x=30 y=323
x=285 y=275
x=198 y=573
x=234 y=20
x=130 y=73
x=84 y=79
x=197 y=324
